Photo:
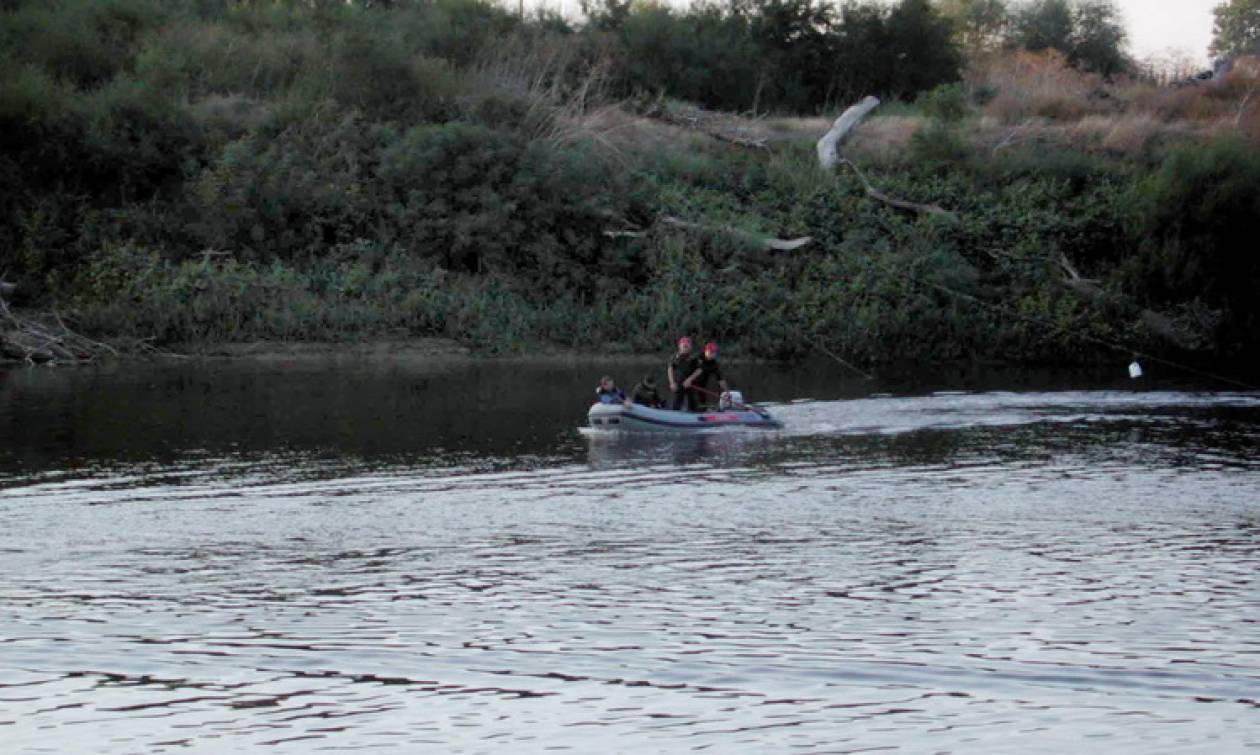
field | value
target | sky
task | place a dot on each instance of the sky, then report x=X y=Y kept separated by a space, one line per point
x=1156 y=26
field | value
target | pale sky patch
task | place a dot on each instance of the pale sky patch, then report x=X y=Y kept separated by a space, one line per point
x=1158 y=26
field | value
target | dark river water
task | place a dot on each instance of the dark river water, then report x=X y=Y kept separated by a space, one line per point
x=311 y=555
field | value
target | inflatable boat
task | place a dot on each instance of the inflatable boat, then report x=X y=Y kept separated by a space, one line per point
x=640 y=418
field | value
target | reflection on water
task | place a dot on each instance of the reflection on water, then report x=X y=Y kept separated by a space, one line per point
x=415 y=556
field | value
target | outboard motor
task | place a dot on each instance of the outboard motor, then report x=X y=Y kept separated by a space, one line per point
x=730 y=400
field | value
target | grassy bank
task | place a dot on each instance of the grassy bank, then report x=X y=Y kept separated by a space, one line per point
x=230 y=172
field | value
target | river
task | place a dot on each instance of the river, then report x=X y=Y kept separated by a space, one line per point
x=422 y=555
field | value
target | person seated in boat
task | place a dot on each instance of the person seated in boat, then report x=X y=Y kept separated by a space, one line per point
x=681 y=366
x=645 y=393
x=607 y=392
x=707 y=369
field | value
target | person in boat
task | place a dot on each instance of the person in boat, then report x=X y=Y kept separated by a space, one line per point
x=706 y=371
x=645 y=393
x=607 y=392
x=681 y=366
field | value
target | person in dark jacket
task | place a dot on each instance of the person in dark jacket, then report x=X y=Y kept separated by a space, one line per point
x=681 y=366
x=646 y=393
x=707 y=369
x=607 y=392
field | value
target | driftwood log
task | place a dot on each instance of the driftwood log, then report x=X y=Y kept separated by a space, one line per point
x=830 y=157
x=720 y=126
x=45 y=341
x=747 y=237
x=1157 y=323
x=829 y=146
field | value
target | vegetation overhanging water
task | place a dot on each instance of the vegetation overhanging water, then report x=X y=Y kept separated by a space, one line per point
x=232 y=171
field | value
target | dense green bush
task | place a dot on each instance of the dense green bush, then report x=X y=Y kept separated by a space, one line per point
x=85 y=43
x=1192 y=219
x=480 y=200
x=293 y=195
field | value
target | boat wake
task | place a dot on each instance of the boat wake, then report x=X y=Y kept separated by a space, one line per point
x=888 y=415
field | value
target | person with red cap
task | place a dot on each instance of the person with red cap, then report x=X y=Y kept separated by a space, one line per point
x=706 y=369
x=681 y=367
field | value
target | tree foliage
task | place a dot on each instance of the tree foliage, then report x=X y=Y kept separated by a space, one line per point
x=1090 y=33
x=979 y=25
x=781 y=55
x=1236 y=28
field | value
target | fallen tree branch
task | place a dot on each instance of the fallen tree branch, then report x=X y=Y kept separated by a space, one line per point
x=32 y=341
x=829 y=145
x=1157 y=323
x=829 y=158
x=717 y=126
x=1011 y=136
x=752 y=239
x=900 y=204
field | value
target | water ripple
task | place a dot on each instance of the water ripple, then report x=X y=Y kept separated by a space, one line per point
x=962 y=573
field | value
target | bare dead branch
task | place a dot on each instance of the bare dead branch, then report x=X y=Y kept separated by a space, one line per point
x=1157 y=323
x=34 y=341
x=779 y=245
x=829 y=158
x=1011 y=136
x=899 y=204
x=719 y=126
x=829 y=145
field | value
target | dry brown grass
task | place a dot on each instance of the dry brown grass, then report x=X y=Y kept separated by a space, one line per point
x=623 y=131
x=1038 y=102
x=883 y=138
x=1027 y=85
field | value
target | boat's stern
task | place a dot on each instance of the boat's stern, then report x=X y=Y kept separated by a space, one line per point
x=606 y=416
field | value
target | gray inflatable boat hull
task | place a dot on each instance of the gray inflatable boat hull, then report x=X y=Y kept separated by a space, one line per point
x=639 y=418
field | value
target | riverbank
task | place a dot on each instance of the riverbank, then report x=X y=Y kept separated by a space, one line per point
x=1030 y=213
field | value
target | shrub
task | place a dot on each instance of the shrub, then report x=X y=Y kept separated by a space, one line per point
x=947 y=103
x=86 y=42
x=137 y=138
x=380 y=77
x=208 y=57
x=479 y=200
x=293 y=194
x=1041 y=84
x=1192 y=219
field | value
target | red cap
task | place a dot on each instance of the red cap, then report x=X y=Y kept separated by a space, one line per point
x=684 y=341
x=710 y=346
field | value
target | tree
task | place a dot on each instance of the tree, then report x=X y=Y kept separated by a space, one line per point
x=921 y=42
x=1088 y=32
x=979 y=25
x=1043 y=25
x=859 y=65
x=1098 y=38
x=1237 y=28
x=606 y=15
x=794 y=40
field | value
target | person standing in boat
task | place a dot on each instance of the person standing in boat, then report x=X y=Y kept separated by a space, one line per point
x=681 y=367
x=706 y=370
